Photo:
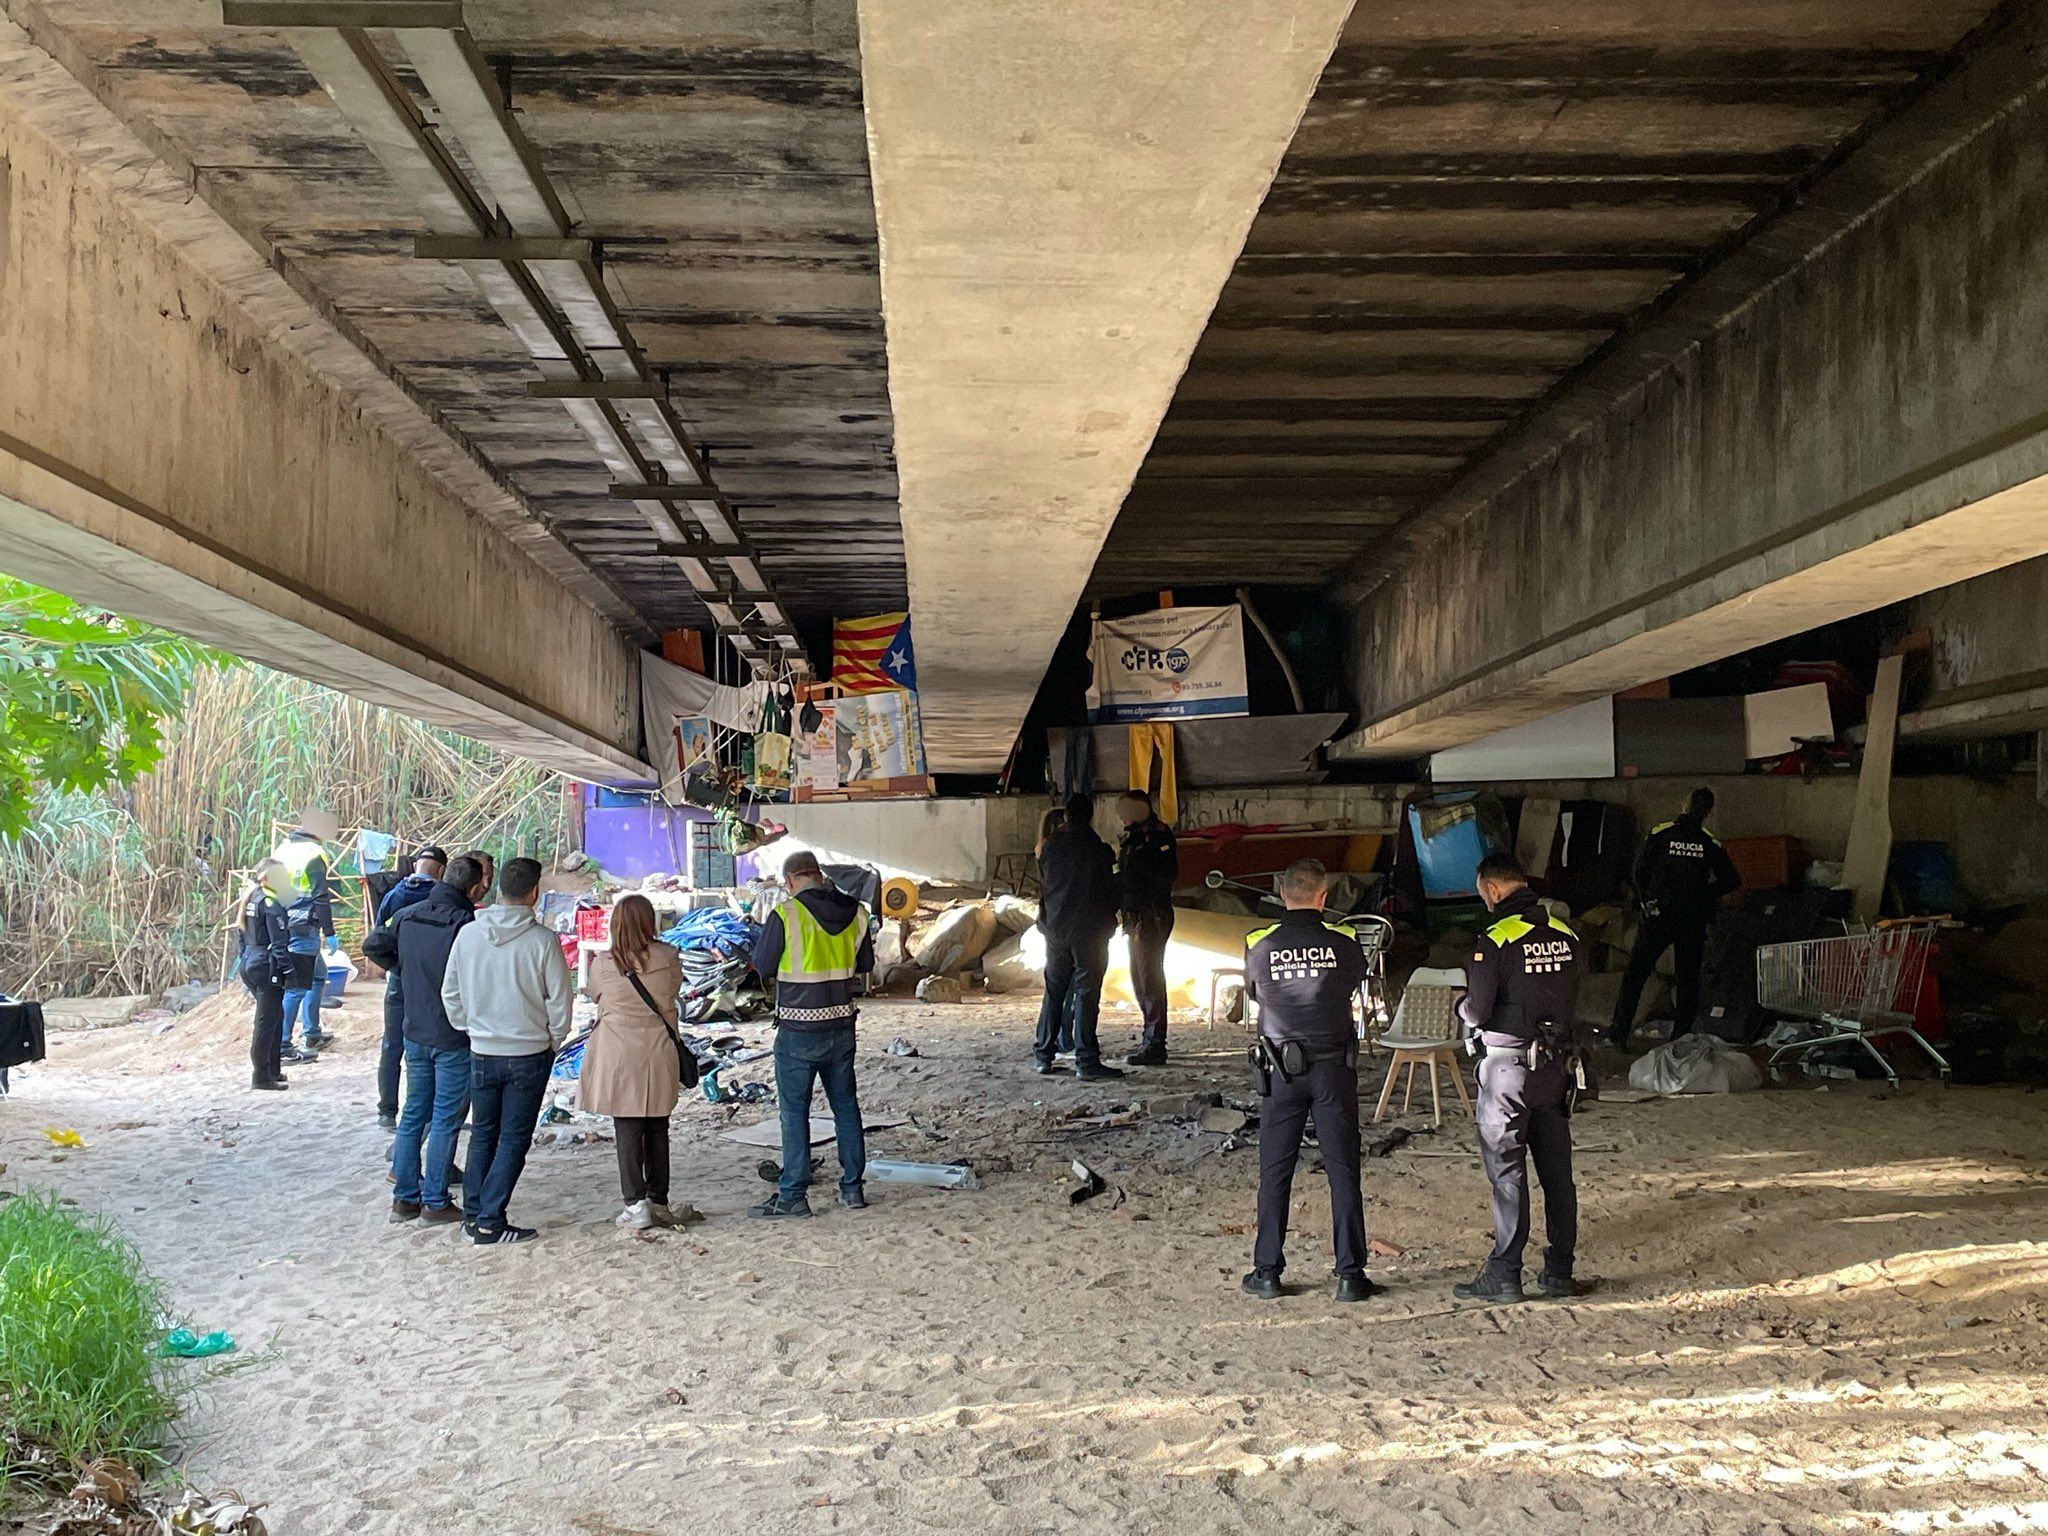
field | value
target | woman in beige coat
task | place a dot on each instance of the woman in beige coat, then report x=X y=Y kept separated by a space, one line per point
x=630 y=1067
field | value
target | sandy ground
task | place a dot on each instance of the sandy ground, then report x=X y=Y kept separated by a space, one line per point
x=1820 y=1311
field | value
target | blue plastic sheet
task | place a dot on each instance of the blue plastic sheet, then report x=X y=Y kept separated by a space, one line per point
x=569 y=1059
x=714 y=928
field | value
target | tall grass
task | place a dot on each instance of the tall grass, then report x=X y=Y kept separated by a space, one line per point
x=79 y=1322
x=131 y=891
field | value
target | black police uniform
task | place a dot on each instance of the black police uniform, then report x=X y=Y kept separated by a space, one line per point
x=1303 y=973
x=1148 y=867
x=1524 y=976
x=1681 y=873
x=266 y=967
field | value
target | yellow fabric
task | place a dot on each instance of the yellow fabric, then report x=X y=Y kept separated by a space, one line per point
x=1155 y=738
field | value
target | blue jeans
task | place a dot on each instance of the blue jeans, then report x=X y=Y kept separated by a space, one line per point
x=804 y=1058
x=504 y=1106
x=436 y=1089
x=309 y=973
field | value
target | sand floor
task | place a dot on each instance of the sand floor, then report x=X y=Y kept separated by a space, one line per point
x=1820 y=1311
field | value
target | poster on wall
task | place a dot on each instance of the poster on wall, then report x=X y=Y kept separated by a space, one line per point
x=817 y=755
x=877 y=736
x=1171 y=664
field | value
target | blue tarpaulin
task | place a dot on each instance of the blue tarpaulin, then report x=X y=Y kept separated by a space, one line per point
x=715 y=929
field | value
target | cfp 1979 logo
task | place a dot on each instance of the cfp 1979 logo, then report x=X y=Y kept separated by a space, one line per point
x=1145 y=658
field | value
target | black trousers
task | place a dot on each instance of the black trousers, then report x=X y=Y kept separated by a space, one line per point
x=1686 y=937
x=391 y=1049
x=266 y=1039
x=1522 y=1118
x=1330 y=1088
x=1147 y=933
x=1074 y=969
x=643 y=1157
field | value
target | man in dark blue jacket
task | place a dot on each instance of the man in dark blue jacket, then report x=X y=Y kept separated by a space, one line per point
x=816 y=947
x=416 y=944
x=427 y=867
x=1077 y=911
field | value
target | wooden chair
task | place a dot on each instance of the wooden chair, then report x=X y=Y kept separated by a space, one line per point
x=1424 y=1033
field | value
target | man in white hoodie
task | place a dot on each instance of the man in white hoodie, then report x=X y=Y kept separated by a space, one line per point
x=508 y=987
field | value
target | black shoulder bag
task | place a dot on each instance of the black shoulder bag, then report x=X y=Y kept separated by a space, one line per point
x=686 y=1059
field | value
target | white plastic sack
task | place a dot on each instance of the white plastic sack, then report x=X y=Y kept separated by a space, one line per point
x=958 y=938
x=1695 y=1064
x=1017 y=964
x=1013 y=913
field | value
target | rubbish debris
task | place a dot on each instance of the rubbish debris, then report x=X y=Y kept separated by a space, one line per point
x=1382 y=1146
x=63 y=1138
x=1222 y=1120
x=683 y=1214
x=901 y=1047
x=1380 y=1248
x=184 y=1344
x=940 y=989
x=1016 y=963
x=1182 y=1106
x=884 y=1170
x=768 y=1133
x=1088 y=1183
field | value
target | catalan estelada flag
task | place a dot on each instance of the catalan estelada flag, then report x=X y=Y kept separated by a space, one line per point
x=874 y=654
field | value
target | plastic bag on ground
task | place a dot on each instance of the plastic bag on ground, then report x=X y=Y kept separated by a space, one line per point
x=958 y=938
x=1695 y=1064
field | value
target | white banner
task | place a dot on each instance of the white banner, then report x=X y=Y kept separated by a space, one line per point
x=1171 y=664
x=677 y=709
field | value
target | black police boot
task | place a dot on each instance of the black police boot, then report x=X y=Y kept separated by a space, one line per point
x=1559 y=1287
x=1098 y=1073
x=1618 y=1038
x=1357 y=1288
x=1495 y=1290
x=1264 y=1284
x=1042 y=1068
x=1151 y=1053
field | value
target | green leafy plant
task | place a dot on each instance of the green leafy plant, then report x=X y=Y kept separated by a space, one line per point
x=83 y=697
x=79 y=1321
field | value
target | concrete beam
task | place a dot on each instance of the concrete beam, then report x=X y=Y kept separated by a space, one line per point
x=1061 y=191
x=183 y=439
x=1844 y=414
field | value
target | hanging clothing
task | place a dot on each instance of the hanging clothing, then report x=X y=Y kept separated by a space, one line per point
x=1078 y=777
x=1155 y=738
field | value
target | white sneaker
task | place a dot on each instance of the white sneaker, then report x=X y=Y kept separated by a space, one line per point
x=638 y=1216
x=662 y=1215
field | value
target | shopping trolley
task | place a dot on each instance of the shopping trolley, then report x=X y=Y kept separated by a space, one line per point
x=1851 y=989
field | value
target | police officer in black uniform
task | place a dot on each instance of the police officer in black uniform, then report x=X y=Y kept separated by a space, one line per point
x=1147 y=868
x=1520 y=993
x=1303 y=972
x=1681 y=875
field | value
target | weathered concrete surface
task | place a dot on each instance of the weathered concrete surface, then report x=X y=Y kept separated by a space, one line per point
x=1989 y=666
x=1847 y=412
x=183 y=439
x=1482 y=195
x=1061 y=190
x=716 y=148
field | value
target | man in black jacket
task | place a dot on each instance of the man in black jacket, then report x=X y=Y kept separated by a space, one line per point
x=1520 y=1002
x=816 y=946
x=1077 y=912
x=1681 y=875
x=415 y=943
x=428 y=865
x=266 y=966
x=1147 y=867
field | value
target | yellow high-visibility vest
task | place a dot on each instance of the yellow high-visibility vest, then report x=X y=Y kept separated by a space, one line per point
x=809 y=953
